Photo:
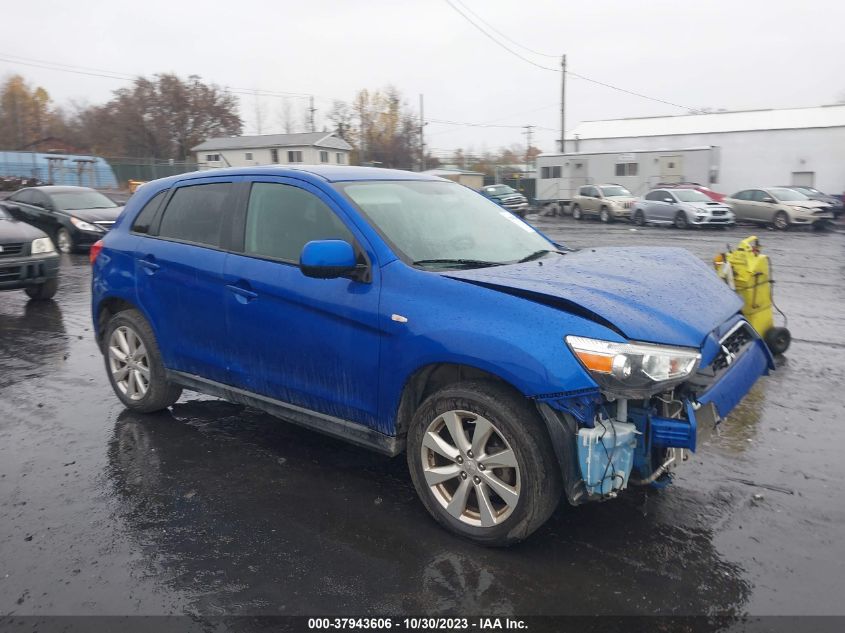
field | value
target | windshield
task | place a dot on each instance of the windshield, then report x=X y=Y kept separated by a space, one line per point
x=441 y=224
x=690 y=195
x=498 y=190
x=808 y=190
x=788 y=195
x=73 y=200
x=615 y=190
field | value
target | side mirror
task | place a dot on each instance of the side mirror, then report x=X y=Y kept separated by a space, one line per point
x=327 y=259
x=668 y=200
x=769 y=199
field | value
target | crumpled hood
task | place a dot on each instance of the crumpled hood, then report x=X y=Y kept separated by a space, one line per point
x=658 y=295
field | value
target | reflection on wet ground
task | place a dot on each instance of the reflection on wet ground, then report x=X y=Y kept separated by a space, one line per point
x=213 y=508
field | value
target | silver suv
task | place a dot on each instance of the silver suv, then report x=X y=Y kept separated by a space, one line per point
x=682 y=207
x=609 y=202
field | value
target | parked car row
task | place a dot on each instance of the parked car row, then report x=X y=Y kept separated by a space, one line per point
x=35 y=221
x=685 y=205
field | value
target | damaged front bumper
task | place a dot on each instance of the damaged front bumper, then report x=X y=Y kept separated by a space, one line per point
x=662 y=434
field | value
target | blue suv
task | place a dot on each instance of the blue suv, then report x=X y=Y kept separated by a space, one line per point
x=405 y=313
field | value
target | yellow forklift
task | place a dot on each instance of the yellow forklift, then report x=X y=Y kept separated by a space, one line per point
x=747 y=271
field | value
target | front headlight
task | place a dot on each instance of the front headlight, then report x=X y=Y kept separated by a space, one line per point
x=802 y=209
x=82 y=225
x=634 y=370
x=42 y=245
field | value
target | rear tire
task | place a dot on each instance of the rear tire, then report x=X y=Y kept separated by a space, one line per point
x=639 y=217
x=778 y=340
x=133 y=364
x=453 y=483
x=781 y=221
x=44 y=291
x=577 y=214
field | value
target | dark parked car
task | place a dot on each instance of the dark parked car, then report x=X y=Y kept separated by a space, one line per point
x=28 y=258
x=75 y=217
x=406 y=313
x=507 y=197
x=835 y=202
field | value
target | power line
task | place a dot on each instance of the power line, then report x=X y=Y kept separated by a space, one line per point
x=505 y=46
x=495 y=30
x=108 y=74
x=557 y=70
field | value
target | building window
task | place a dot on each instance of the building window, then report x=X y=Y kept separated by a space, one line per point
x=295 y=156
x=212 y=158
x=339 y=158
x=550 y=172
x=248 y=156
x=626 y=169
x=324 y=157
x=274 y=155
x=556 y=171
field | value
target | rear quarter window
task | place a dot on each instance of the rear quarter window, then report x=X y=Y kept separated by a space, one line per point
x=144 y=219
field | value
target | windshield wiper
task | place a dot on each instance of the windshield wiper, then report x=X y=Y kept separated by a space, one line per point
x=538 y=254
x=469 y=263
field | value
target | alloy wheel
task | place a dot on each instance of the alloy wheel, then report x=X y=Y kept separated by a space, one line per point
x=129 y=363
x=604 y=216
x=64 y=241
x=470 y=468
x=781 y=220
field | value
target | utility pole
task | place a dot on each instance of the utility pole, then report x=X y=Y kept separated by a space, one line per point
x=529 y=132
x=563 y=104
x=422 y=137
x=311 y=111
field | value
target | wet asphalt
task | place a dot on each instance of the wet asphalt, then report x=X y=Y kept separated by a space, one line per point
x=216 y=509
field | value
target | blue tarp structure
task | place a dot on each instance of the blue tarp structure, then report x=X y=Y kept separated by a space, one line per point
x=59 y=169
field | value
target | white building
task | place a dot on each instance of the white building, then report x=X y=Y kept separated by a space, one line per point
x=310 y=148
x=755 y=148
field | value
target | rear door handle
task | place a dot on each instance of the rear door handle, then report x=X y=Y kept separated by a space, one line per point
x=243 y=294
x=149 y=265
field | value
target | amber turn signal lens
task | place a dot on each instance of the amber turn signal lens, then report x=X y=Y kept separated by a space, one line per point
x=595 y=362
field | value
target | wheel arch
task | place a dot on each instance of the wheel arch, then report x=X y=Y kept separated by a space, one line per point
x=106 y=309
x=432 y=377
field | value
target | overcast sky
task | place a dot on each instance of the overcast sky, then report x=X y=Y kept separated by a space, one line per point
x=734 y=54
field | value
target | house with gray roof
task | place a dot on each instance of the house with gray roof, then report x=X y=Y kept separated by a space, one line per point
x=310 y=148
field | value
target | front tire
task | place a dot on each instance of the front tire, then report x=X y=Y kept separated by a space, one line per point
x=133 y=364
x=639 y=217
x=605 y=215
x=781 y=221
x=681 y=220
x=482 y=464
x=44 y=291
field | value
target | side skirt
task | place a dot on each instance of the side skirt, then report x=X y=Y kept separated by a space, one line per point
x=328 y=425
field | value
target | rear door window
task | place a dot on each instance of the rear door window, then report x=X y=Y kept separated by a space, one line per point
x=281 y=219
x=196 y=214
